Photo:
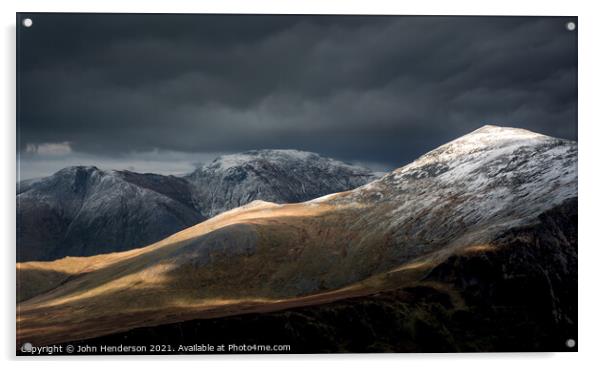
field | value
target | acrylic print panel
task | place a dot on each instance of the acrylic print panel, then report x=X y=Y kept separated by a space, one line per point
x=234 y=184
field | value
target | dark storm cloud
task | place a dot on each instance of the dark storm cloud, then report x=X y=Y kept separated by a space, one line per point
x=367 y=89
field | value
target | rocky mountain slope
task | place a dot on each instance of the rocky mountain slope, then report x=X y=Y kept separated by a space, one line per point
x=280 y=176
x=480 y=197
x=82 y=211
x=87 y=211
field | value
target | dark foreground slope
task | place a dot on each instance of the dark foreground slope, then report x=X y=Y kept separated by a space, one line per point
x=516 y=294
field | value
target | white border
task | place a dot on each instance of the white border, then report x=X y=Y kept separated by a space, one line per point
x=590 y=167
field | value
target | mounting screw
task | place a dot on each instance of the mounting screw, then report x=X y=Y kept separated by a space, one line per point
x=27 y=22
x=571 y=26
x=570 y=343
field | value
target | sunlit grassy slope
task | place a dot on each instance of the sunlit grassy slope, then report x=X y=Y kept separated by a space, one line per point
x=262 y=256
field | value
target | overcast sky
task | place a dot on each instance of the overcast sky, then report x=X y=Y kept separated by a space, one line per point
x=160 y=93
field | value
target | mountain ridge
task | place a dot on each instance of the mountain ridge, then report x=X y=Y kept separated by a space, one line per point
x=84 y=210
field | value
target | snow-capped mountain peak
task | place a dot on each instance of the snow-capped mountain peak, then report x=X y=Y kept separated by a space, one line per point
x=280 y=176
x=491 y=178
x=225 y=162
x=477 y=144
x=280 y=157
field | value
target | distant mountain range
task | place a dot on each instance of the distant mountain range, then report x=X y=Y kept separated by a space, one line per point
x=82 y=211
x=472 y=247
x=280 y=176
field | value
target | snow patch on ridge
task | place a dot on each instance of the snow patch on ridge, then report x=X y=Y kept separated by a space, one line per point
x=225 y=162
